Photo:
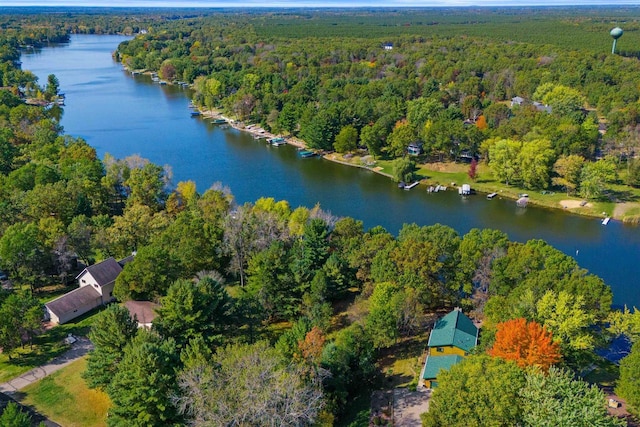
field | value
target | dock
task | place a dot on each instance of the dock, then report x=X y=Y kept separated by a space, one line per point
x=606 y=221
x=491 y=195
x=410 y=186
x=218 y=121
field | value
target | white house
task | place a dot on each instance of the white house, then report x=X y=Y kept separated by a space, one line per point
x=96 y=288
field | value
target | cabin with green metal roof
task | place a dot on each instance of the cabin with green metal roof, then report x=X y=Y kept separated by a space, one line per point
x=451 y=339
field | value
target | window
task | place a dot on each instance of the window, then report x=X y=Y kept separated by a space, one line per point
x=95 y=286
x=110 y=294
x=440 y=349
x=466 y=353
x=84 y=281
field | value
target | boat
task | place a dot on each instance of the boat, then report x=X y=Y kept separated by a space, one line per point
x=306 y=154
x=162 y=82
x=491 y=195
x=410 y=186
x=465 y=190
x=606 y=221
x=522 y=202
x=195 y=113
x=218 y=121
x=277 y=141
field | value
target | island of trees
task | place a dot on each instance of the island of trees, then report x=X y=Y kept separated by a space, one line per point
x=279 y=315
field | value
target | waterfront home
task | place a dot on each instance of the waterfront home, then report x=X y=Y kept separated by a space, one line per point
x=452 y=338
x=96 y=289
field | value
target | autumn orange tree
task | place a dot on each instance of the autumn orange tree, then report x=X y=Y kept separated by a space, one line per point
x=526 y=343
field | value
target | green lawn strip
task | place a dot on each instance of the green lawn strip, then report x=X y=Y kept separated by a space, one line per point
x=45 y=347
x=65 y=398
x=401 y=364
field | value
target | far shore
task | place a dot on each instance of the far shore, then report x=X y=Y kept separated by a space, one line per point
x=576 y=206
x=614 y=210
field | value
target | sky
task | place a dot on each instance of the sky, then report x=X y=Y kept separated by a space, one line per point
x=310 y=3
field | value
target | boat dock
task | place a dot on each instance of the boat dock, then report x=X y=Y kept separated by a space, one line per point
x=606 y=221
x=277 y=141
x=491 y=195
x=410 y=186
x=306 y=154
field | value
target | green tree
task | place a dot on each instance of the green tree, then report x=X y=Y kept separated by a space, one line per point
x=385 y=305
x=568 y=169
x=628 y=386
x=20 y=320
x=403 y=169
x=148 y=275
x=536 y=159
x=556 y=399
x=479 y=391
x=190 y=310
x=372 y=136
x=346 y=139
x=21 y=252
x=12 y=416
x=504 y=160
x=402 y=135
x=112 y=330
x=595 y=176
x=144 y=383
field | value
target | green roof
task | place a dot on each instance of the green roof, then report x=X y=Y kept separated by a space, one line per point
x=454 y=329
x=435 y=363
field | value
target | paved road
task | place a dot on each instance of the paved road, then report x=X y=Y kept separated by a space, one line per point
x=78 y=349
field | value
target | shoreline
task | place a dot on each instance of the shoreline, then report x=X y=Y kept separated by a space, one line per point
x=570 y=206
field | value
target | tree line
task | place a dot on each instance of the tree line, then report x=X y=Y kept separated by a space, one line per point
x=225 y=275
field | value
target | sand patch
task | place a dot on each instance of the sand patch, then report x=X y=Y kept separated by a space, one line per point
x=572 y=204
x=622 y=208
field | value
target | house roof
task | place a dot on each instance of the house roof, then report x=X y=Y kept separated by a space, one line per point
x=73 y=300
x=144 y=311
x=454 y=329
x=104 y=272
x=434 y=364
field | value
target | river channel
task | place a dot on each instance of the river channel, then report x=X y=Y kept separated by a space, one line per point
x=121 y=114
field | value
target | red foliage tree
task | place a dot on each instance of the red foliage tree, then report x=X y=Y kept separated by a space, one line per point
x=526 y=343
x=473 y=169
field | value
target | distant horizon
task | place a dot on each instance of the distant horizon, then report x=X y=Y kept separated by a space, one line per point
x=313 y=4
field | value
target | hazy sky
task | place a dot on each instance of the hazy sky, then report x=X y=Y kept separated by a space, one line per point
x=309 y=3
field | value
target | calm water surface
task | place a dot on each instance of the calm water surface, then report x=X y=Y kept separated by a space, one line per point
x=122 y=115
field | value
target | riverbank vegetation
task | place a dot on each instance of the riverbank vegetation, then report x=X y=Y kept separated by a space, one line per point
x=543 y=111
x=273 y=312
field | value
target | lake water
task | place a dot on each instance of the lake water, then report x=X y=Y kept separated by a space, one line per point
x=121 y=114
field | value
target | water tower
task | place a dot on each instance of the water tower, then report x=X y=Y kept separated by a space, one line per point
x=616 y=33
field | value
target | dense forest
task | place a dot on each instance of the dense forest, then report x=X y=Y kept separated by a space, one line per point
x=546 y=106
x=275 y=315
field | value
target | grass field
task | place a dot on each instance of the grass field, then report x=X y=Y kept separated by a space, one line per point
x=65 y=398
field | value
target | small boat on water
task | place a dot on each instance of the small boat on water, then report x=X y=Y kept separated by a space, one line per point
x=606 y=221
x=491 y=195
x=195 y=113
x=277 y=141
x=306 y=154
x=218 y=121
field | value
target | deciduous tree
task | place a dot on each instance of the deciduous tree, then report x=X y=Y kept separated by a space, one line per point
x=526 y=343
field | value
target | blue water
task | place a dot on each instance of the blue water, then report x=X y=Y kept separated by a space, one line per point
x=123 y=114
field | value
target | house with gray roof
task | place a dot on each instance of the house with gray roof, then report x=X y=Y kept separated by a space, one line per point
x=96 y=289
x=452 y=338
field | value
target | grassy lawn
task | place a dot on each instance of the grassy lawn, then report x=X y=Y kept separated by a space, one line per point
x=447 y=173
x=45 y=347
x=401 y=364
x=65 y=398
